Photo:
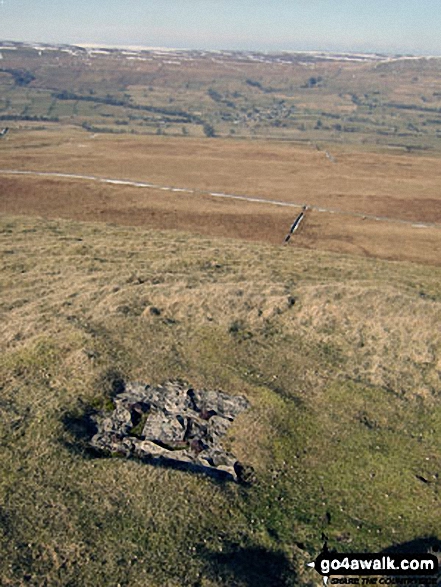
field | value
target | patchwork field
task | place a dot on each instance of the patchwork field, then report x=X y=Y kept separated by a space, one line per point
x=373 y=100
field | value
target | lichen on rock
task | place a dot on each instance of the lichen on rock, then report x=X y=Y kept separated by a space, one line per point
x=173 y=424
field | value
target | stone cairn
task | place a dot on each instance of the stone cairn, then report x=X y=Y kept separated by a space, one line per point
x=173 y=424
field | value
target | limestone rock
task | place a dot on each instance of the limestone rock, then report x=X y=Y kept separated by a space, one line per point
x=173 y=424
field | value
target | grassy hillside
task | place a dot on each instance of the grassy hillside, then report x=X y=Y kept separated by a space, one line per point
x=340 y=358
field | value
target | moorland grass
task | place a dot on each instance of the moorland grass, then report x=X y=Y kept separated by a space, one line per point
x=339 y=356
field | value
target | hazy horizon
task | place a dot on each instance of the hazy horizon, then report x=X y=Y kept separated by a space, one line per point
x=129 y=47
x=380 y=26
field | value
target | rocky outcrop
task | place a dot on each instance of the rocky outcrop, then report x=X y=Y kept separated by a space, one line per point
x=173 y=424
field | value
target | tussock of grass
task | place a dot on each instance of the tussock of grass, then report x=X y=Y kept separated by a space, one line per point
x=344 y=387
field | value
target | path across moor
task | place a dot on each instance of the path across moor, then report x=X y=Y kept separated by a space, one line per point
x=146 y=185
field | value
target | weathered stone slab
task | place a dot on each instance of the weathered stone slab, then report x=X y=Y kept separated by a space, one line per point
x=174 y=424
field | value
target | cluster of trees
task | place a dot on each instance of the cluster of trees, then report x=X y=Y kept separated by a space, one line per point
x=97 y=129
x=256 y=84
x=21 y=76
x=216 y=97
x=209 y=130
x=179 y=116
x=412 y=107
x=29 y=118
x=171 y=116
x=313 y=82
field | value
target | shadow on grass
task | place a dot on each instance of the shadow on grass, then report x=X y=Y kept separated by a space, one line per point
x=80 y=427
x=252 y=566
x=80 y=424
x=416 y=546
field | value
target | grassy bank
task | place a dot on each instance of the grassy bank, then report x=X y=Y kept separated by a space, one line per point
x=339 y=356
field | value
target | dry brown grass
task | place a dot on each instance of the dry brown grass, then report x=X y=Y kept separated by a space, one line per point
x=384 y=336
x=402 y=187
x=396 y=185
x=371 y=238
